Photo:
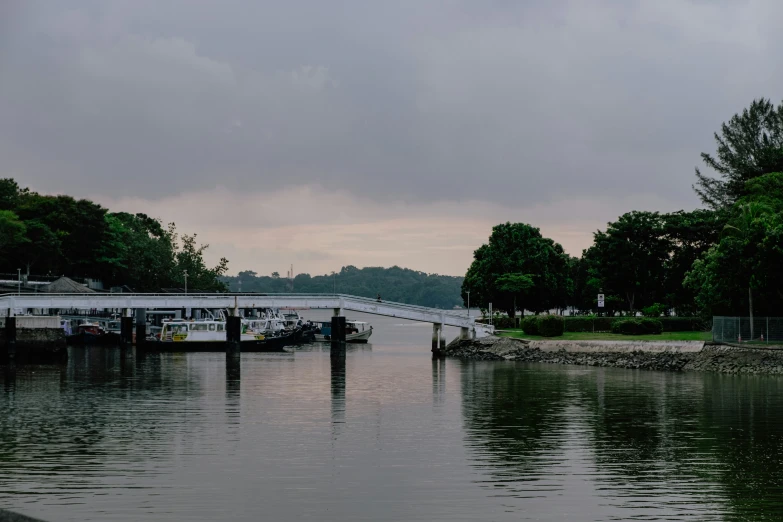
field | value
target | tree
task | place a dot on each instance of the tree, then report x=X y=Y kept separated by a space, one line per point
x=742 y=271
x=190 y=258
x=749 y=145
x=629 y=258
x=517 y=269
x=12 y=232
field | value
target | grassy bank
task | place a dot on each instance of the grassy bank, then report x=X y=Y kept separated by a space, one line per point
x=588 y=336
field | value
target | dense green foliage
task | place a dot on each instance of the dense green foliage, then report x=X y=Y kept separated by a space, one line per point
x=723 y=261
x=550 y=325
x=530 y=324
x=518 y=269
x=60 y=235
x=750 y=145
x=393 y=284
x=637 y=326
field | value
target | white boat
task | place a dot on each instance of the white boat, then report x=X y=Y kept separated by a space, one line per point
x=355 y=331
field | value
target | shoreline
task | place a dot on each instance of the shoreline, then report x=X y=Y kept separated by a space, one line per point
x=675 y=356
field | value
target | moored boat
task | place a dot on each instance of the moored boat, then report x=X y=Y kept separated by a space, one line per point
x=210 y=335
x=92 y=333
x=355 y=331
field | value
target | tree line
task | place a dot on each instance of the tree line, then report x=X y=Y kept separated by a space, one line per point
x=724 y=259
x=60 y=235
x=392 y=284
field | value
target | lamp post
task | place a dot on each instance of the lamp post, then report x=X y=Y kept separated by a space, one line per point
x=186 y=280
x=334 y=281
x=468 y=292
x=19 y=281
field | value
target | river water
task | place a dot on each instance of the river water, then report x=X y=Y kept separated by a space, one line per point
x=385 y=433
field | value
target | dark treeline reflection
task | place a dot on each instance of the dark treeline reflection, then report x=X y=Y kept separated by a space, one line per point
x=67 y=422
x=702 y=444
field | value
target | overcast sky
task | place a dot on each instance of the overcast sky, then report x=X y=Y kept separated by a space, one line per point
x=326 y=133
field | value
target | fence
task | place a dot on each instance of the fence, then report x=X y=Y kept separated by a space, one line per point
x=762 y=330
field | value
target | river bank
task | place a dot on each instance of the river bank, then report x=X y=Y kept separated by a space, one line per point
x=645 y=355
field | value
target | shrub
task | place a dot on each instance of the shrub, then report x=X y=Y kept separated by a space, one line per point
x=550 y=325
x=685 y=324
x=588 y=323
x=655 y=310
x=530 y=325
x=637 y=326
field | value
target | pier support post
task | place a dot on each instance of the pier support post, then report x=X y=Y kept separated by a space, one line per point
x=437 y=334
x=338 y=330
x=337 y=312
x=464 y=334
x=233 y=336
x=141 y=329
x=126 y=332
x=10 y=337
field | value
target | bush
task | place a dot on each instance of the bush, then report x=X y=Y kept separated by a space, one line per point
x=685 y=324
x=655 y=310
x=637 y=326
x=588 y=323
x=550 y=325
x=530 y=325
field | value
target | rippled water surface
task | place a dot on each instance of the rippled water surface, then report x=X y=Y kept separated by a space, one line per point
x=384 y=433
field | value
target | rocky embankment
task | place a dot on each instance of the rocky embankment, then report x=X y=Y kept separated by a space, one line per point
x=662 y=356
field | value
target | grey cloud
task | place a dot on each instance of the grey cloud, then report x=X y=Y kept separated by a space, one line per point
x=447 y=100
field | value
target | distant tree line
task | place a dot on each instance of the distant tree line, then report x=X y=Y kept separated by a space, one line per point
x=60 y=235
x=393 y=284
x=725 y=259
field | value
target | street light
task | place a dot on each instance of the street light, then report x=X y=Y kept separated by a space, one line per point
x=468 y=292
x=186 y=280
x=334 y=280
x=19 y=281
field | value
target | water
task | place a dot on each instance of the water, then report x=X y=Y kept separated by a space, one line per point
x=384 y=434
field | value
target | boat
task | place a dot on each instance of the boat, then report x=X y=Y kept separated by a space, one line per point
x=210 y=336
x=92 y=333
x=355 y=331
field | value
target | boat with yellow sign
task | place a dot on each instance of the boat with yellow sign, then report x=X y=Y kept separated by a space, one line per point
x=209 y=335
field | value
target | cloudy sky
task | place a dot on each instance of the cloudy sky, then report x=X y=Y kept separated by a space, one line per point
x=325 y=133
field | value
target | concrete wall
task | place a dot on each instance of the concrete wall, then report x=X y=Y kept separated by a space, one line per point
x=35 y=321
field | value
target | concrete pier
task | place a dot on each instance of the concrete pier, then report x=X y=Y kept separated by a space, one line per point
x=437 y=337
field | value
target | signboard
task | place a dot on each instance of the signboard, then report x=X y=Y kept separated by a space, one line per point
x=600 y=304
x=601 y=300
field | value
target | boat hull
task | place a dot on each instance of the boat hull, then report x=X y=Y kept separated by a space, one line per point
x=268 y=344
x=84 y=338
x=359 y=337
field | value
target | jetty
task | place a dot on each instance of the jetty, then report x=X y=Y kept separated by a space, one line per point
x=133 y=308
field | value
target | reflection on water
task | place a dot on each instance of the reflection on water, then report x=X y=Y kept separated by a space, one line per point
x=383 y=433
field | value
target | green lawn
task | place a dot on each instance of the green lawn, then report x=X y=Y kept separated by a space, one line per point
x=588 y=336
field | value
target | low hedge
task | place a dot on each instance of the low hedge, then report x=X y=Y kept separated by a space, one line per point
x=684 y=324
x=550 y=325
x=530 y=324
x=588 y=323
x=637 y=326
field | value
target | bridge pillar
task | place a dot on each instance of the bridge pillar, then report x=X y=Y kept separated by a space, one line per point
x=464 y=334
x=141 y=329
x=337 y=312
x=437 y=337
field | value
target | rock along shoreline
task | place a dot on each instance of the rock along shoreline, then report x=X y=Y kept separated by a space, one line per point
x=643 y=355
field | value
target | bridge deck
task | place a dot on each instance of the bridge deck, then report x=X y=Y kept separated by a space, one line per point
x=212 y=301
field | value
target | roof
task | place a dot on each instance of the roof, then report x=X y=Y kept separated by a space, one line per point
x=66 y=285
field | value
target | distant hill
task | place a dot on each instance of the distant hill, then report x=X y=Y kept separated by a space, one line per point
x=394 y=284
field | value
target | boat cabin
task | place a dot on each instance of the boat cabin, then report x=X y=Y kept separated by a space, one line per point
x=90 y=328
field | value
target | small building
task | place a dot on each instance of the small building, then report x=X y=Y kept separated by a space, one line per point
x=66 y=285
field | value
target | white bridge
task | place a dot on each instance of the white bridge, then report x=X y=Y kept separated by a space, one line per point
x=337 y=302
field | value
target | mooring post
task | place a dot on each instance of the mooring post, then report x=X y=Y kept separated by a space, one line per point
x=10 y=336
x=126 y=332
x=338 y=330
x=141 y=329
x=233 y=335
